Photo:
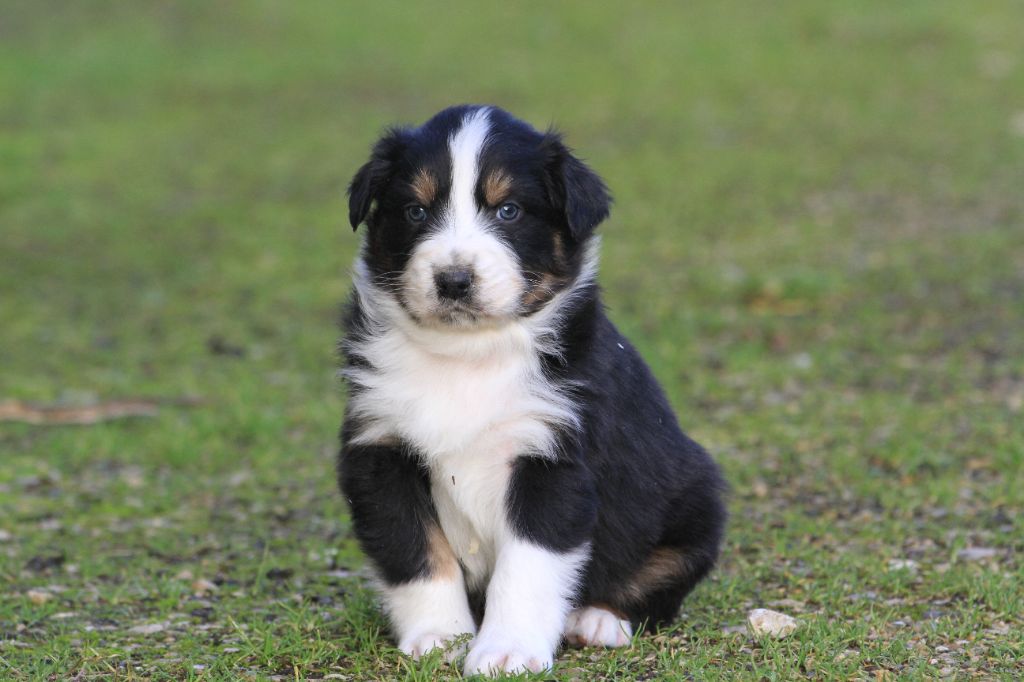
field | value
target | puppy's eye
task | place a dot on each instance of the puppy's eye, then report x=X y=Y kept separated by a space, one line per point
x=416 y=214
x=508 y=212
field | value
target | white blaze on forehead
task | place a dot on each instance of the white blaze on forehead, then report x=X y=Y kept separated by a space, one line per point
x=465 y=147
x=465 y=237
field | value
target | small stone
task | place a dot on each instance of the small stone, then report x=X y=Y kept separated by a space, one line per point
x=5 y=536
x=765 y=622
x=908 y=565
x=38 y=596
x=148 y=629
x=976 y=553
x=802 y=361
x=760 y=488
x=339 y=573
x=864 y=596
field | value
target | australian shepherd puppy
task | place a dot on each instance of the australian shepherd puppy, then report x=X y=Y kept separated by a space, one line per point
x=514 y=471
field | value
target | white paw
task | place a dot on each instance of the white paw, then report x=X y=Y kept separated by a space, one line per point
x=494 y=655
x=591 y=626
x=422 y=644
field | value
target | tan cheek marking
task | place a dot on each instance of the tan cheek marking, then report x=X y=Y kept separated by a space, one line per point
x=424 y=186
x=443 y=563
x=497 y=186
x=549 y=283
x=662 y=568
x=543 y=291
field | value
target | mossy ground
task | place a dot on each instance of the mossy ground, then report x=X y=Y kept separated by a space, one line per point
x=818 y=244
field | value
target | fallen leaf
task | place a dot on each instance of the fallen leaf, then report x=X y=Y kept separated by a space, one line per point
x=201 y=586
x=38 y=596
x=32 y=413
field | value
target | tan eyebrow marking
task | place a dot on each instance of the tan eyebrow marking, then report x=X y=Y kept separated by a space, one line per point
x=424 y=186
x=497 y=186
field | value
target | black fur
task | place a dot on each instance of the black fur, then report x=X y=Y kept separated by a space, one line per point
x=389 y=495
x=651 y=485
x=647 y=498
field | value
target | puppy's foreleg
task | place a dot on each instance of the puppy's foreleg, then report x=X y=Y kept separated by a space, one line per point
x=420 y=580
x=528 y=599
x=428 y=614
x=551 y=510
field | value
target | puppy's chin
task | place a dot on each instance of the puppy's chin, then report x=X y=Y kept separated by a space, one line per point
x=462 y=317
x=428 y=310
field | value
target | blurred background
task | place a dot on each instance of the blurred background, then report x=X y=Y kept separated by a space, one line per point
x=817 y=243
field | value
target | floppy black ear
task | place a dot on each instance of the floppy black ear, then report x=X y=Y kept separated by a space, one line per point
x=372 y=178
x=576 y=189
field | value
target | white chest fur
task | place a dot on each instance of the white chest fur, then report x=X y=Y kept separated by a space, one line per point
x=470 y=403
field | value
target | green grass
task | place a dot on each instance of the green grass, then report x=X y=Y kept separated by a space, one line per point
x=818 y=244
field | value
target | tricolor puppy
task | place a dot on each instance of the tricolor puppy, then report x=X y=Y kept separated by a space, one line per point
x=513 y=469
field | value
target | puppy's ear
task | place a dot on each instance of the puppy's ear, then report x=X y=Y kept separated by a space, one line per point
x=574 y=188
x=372 y=178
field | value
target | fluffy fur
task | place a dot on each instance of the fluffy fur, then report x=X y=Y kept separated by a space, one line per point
x=513 y=469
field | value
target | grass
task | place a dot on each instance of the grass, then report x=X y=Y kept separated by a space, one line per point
x=818 y=244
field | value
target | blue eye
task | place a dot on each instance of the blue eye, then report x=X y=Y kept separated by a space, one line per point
x=416 y=214
x=508 y=212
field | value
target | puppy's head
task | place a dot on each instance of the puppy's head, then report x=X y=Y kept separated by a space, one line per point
x=474 y=218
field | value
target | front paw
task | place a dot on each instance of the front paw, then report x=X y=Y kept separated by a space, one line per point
x=422 y=644
x=493 y=655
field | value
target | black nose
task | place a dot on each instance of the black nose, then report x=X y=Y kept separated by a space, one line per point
x=453 y=283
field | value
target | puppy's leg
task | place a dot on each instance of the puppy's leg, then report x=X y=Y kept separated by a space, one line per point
x=551 y=510
x=528 y=599
x=396 y=523
x=428 y=614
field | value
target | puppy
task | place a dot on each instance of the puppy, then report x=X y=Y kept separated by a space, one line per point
x=513 y=469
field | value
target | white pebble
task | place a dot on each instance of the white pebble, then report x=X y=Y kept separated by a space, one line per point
x=765 y=622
